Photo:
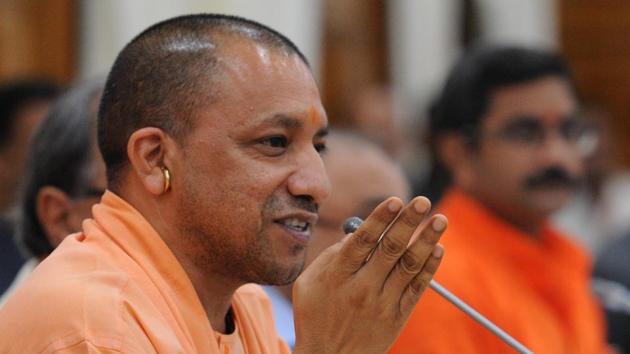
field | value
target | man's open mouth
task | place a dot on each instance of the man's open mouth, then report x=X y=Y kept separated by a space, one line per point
x=295 y=224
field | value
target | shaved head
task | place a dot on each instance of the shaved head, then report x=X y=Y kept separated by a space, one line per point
x=167 y=74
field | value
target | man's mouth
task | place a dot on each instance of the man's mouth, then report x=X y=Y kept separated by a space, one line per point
x=295 y=224
x=299 y=225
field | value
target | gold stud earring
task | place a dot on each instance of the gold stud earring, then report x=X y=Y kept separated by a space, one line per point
x=167 y=179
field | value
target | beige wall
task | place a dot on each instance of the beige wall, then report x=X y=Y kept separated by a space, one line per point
x=107 y=25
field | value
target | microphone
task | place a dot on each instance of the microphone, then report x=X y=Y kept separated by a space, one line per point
x=353 y=223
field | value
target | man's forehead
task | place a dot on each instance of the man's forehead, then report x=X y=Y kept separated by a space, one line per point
x=242 y=56
x=547 y=100
x=293 y=121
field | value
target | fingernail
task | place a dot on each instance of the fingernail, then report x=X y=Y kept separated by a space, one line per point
x=438 y=251
x=394 y=205
x=439 y=224
x=421 y=205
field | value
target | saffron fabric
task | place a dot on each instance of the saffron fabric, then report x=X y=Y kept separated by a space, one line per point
x=536 y=289
x=117 y=288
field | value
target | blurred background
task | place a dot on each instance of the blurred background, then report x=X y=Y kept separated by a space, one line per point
x=378 y=64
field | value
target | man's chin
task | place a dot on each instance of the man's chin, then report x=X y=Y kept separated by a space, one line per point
x=283 y=274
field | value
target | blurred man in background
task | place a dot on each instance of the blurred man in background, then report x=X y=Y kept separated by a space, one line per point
x=64 y=176
x=23 y=105
x=507 y=129
x=362 y=175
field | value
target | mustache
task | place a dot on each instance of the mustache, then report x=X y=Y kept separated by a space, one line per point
x=306 y=203
x=275 y=205
x=552 y=176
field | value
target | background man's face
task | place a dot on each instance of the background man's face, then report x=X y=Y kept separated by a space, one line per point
x=251 y=169
x=360 y=179
x=529 y=157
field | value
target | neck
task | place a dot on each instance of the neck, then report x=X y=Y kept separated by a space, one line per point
x=215 y=291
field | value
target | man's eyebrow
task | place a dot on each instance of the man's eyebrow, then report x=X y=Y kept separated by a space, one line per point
x=322 y=132
x=291 y=123
x=520 y=119
x=282 y=120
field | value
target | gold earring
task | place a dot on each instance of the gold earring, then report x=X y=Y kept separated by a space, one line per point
x=167 y=179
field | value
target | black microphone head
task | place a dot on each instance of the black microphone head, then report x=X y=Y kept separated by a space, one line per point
x=352 y=224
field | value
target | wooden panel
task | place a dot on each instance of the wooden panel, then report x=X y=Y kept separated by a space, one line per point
x=354 y=53
x=595 y=38
x=38 y=38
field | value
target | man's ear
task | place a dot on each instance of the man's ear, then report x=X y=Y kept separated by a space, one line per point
x=148 y=149
x=457 y=155
x=52 y=207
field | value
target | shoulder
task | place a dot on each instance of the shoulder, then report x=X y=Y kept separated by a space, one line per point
x=71 y=298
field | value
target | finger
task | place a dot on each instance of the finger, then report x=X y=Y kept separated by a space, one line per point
x=362 y=242
x=413 y=260
x=419 y=283
x=395 y=241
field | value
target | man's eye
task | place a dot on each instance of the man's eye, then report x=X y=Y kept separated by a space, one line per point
x=523 y=133
x=276 y=142
x=320 y=147
x=273 y=145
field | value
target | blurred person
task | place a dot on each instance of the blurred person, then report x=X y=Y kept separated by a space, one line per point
x=355 y=191
x=373 y=114
x=507 y=129
x=64 y=176
x=211 y=129
x=23 y=105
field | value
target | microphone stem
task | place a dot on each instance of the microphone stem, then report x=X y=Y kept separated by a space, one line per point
x=520 y=348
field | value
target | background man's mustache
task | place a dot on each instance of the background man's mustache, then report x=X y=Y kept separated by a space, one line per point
x=553 y=176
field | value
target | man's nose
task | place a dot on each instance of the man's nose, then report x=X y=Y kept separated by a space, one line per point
x=310 y=178
x=557 y=149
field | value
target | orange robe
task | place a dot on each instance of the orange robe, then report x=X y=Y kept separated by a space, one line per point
x=537 y=290
x=117 y=288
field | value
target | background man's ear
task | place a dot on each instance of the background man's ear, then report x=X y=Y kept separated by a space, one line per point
x=53 y=207
x=456 y=154
x=147 y=149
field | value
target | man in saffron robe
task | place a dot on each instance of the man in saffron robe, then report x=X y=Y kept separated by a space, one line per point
x=507 y=129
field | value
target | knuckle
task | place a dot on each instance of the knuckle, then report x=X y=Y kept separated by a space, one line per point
x=409 y=264
x=365 y=239
x=381 y=217
x=428 y=236
x=391 y=248
x=419 y=283
x=432 y=266
x=409 y=220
